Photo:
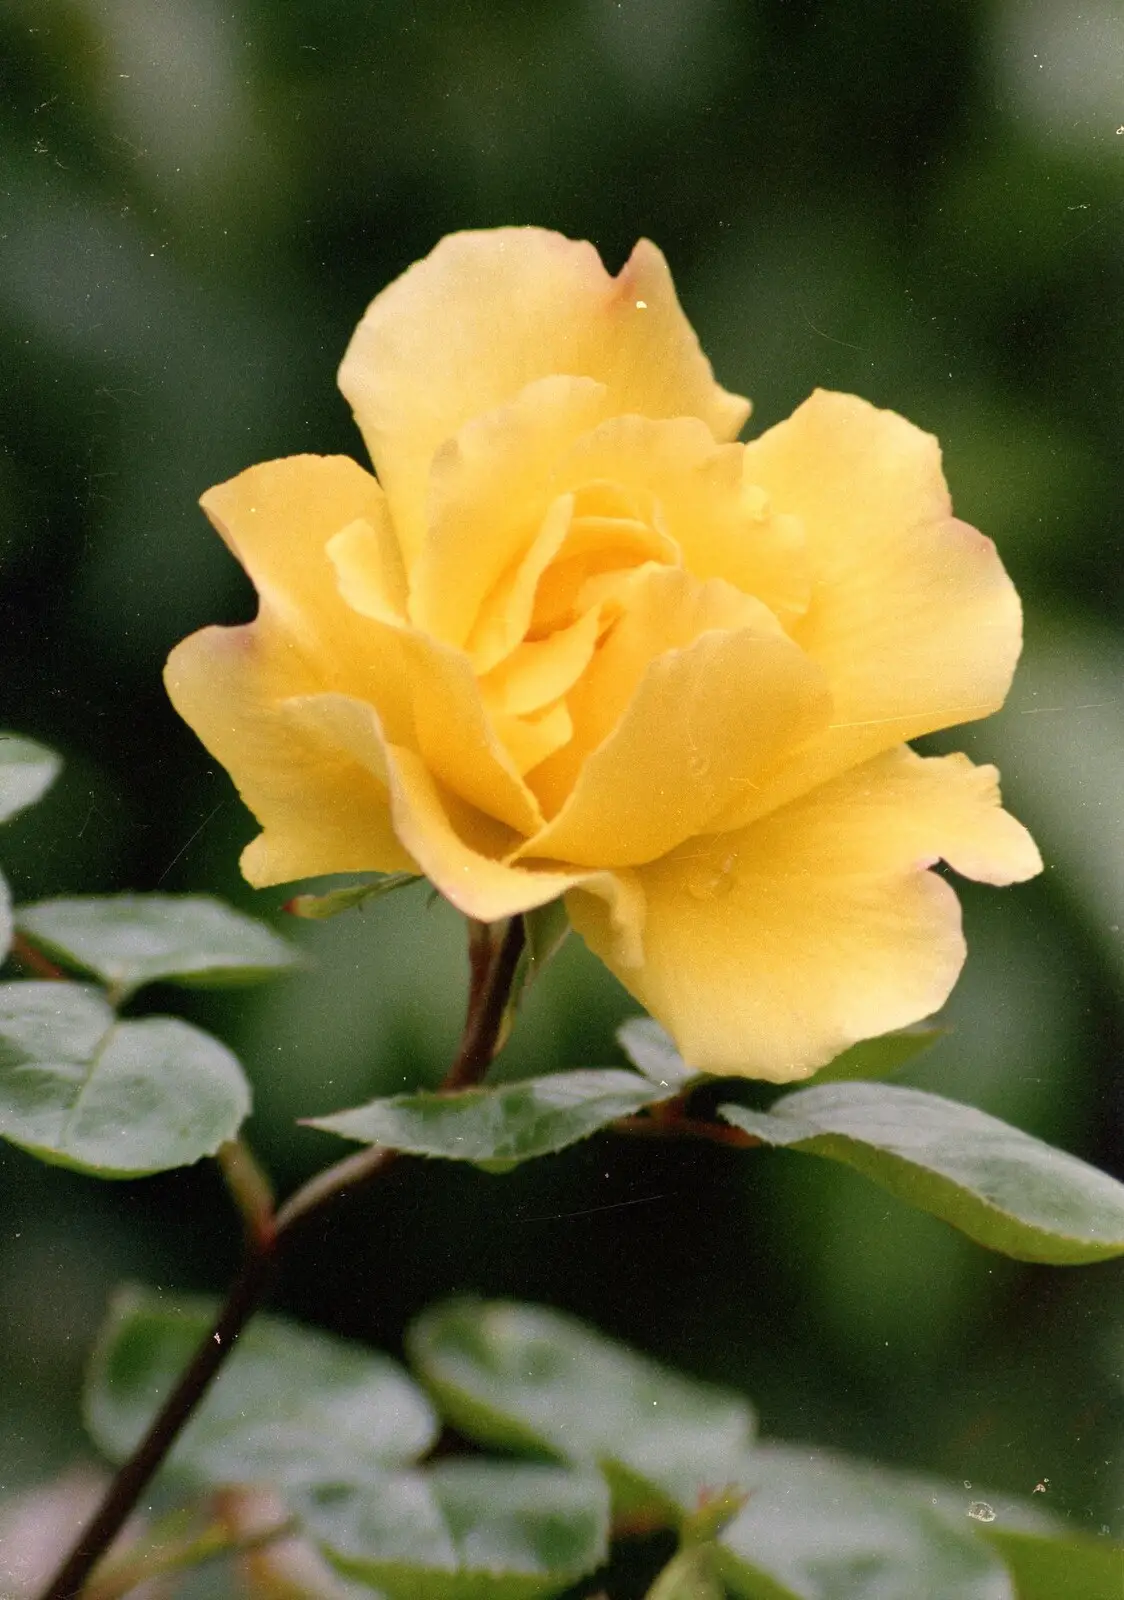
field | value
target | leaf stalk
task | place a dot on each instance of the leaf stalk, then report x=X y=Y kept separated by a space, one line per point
x=494 y=953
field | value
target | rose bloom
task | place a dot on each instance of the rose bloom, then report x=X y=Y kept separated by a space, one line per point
x=574 y=640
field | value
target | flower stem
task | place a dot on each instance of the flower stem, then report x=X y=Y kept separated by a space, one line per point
x=33 y=960
x=333 y=1181
x=485 y=1018
x=250 y=1190
x=683 y=1127
x=493 y=961
x=134 y=1476
x=491 y=972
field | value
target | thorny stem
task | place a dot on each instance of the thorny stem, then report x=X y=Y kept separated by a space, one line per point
x=492 y=969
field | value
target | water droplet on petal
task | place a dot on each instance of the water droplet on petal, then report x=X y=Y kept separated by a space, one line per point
x=713 y=877
x=698 y=764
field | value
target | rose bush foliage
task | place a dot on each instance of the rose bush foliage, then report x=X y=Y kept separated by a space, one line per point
x=572 y=639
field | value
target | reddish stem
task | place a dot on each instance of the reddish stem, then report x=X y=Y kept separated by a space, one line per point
x=34 y=960
x=267 y=1231
x=657 y=1127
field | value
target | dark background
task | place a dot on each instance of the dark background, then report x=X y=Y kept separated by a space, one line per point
x=920 y=203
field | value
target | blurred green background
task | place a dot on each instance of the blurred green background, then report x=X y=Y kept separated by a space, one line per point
x=921 y=203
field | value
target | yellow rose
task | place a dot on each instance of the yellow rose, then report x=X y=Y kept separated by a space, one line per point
x=574 y=640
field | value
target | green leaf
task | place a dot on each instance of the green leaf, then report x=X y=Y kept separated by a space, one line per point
x=465 y=1530
x=715 y=1511
x=1042 y=1553
x=497 y=1128
x=116 y=1100
x=318 y=907
x=1045 y=1566
x=45 y=1021
x=652 y=1051
x=1044 y=1557
x=691 y=1574
x=546 y=928
x=1003 y=1188
x=291 y=1407
x=27 y=771
x=817 y=1527
x=528 y=1378
x=879 y=1058
x=5 y=917
x=131 y=939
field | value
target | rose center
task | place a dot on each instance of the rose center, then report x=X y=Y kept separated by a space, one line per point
x=555 y=607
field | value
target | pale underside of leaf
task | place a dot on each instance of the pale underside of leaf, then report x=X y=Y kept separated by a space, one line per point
x=1004 y=1188
x=529 y=1378
x=129 y=940
x=466 y=1530
x=27 y=771
x=111 y=1099
x=497 y=1128
x=817 y=1527
x=293 y=1406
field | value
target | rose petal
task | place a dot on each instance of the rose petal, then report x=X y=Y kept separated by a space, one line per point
x=488 y=496
x=543 y=670
x=722 y=525
x=477 y=884
x=277 y=519
x=705 y=723
x=457 y=739
x=319 y=810
x=691 y=697
x=484 y=315
x=769 y=951
x=912 y=615
x=505 y=617
x=446 y=721
x=303 y=528
x=369 y=572
x=529 y=740
x=904 y=811
x=457 y=849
